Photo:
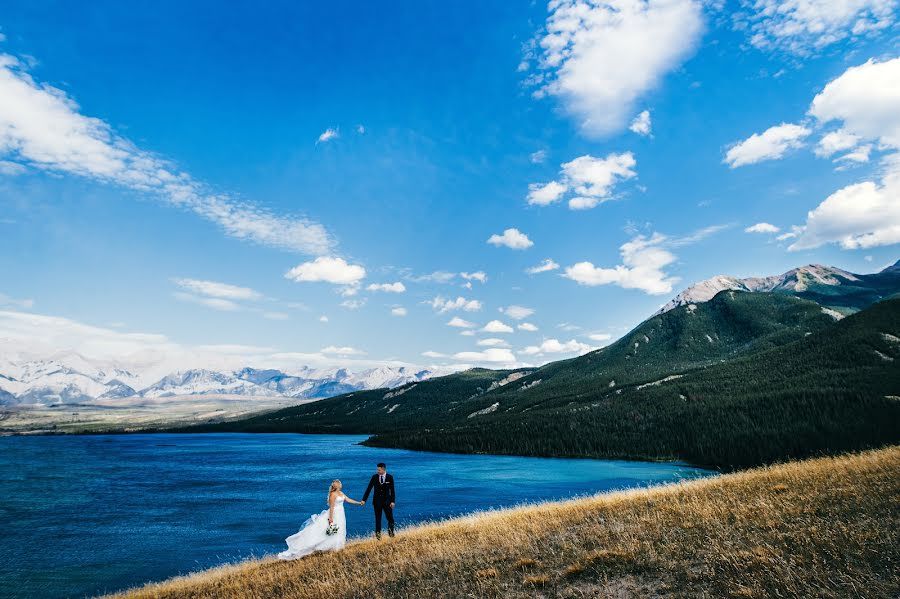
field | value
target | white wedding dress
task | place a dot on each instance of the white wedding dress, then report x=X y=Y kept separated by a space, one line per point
x=312 y=537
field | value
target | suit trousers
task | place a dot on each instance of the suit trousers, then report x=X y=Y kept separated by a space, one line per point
x=388 y=511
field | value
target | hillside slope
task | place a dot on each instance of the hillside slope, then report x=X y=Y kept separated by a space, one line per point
x=821 y=528
x=743 y=379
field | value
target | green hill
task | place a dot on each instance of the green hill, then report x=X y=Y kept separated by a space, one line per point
x=745 y=378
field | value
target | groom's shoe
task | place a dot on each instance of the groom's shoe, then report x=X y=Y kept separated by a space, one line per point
x=378 y=536
x=391 y=532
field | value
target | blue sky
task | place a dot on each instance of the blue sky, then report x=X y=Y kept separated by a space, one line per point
x=192 y=180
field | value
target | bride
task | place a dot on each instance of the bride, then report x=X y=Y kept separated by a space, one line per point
x=325 y=531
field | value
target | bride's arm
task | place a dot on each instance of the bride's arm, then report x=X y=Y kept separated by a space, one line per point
x=353 y=501
x=331 y=501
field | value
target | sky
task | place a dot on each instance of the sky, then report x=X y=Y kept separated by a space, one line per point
x=437 y=185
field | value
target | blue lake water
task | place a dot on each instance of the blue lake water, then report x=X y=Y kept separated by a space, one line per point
x=83 y=515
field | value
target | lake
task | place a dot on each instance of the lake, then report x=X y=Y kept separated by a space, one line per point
x=83 y=515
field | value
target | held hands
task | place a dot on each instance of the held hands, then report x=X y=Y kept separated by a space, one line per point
x=392 y=505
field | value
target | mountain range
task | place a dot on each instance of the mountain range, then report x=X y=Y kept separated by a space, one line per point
x=69 y=378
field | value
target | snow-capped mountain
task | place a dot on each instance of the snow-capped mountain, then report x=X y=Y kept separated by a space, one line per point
x=826 y=284
x=71 y=378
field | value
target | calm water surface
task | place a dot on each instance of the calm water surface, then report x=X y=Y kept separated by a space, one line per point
x=91 y=514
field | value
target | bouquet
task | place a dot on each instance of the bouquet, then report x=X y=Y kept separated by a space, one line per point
x=332 y=529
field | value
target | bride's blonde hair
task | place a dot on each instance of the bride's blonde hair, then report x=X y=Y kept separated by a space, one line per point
x=335 y=486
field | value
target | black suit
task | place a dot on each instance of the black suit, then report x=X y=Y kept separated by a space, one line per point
x=385 y=494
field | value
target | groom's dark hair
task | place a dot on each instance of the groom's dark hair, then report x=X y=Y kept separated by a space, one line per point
x=380 y=465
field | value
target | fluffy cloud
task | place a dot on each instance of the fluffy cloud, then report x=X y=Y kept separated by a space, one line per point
x=546 y=194
x=342 y=351
x=526 y=326
x=599 y=337
x=590 y=179
x=329 y=134
x=643 y=261
x=511 y=238
x=762 y=228
x=479 y=276
x=492 y=355
x=803 y=27
x=433 y=354
x=496 y=326
x=215 y=303
x=836 y=141
x=42 y=127
x=441 y=304
x=397 y=287
x=864 y=100
x=398 y=311
x=545 y=266
x=492 y=342
x=641 y=123
x=353 y=304
x=327 y=269
x=538 y=157
x=517 y=312
x=216 y=289
x=555 y=346
x=772 y=144
x=460 y=323
x=599 y=58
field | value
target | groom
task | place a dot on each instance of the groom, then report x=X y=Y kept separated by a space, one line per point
x=383 y=499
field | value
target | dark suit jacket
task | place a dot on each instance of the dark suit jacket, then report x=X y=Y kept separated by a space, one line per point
x=384 y=493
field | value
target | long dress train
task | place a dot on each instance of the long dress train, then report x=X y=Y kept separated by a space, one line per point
x=312 y=536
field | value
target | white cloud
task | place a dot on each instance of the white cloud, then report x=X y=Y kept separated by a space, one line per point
x=511 y=238
x=546 y=194
x=342 y=351
x=803 y=27
x=458 y=322
x=397 y=287
x=353 y=304
x=492 y=342
x=216 y=289
x=526 y=326
x=275 y=315
x=865 y=98
x=641 y=124
x=438 y=276
x=467 y=333
x=215 y=303
x=433 y=354
x=479 y=276
x=862 y=215
x=643 y=261
x=836 y=141
x=600 y=58
x=859 y=155
x=11 y=169
x=599 y=337
x=865 y=214
x=772 y=144
x=591 y=180
x=517 y=312
x=328 y=135
x=329 y=270
x=568 y=326
x=323 y=318
x=545 y=266
x=493 y=355
x=496 y=326
x=555 y=346
x=42 y=127
x=361 y=129
x=762 y=228
x=441 y=304
x=398 y=311
x=538 y=157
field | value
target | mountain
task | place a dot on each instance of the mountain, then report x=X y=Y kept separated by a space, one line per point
x=742 y=379
x=827 y=285
x=69 y=378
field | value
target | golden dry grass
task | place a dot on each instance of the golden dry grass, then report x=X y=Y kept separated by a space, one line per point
x=820 y=528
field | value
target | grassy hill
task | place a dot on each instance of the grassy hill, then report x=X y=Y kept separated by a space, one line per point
x=744 y=379
x=822 y=528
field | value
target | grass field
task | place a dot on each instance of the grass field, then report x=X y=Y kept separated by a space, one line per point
x=828 y=527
